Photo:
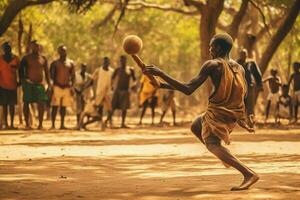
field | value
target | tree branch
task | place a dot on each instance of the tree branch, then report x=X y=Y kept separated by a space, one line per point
x=107 y=18
x=38 y=2
x=142 y=4
x=237 y=19
x=123 y=9
x=261 y=13
x=197 y=4
x=13 y=9
x=264 y=30
x=279 y=36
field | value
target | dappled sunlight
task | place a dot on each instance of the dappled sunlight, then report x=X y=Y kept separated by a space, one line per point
x=31 y=177
x=92 y=165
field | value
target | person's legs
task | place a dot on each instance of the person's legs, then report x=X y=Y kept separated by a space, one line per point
x=145 y=105
x=250 y=177
x=124 y=112
x=62 y=117
x=296 y=110
x=109 y=116
x=213 y=144
x=174 y=117
x=26 y=114
x=5 y=113
x=41 y=109
x=268 y=110
x=53 y=116
x=153 y=105
x=162 y=116
x=12 y=115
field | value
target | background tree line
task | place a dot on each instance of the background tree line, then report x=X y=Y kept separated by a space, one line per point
x=176 y=33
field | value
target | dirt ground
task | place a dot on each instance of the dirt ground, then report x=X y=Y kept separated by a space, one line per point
x=144 y=163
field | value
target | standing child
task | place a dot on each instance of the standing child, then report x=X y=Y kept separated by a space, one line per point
x=274 y=83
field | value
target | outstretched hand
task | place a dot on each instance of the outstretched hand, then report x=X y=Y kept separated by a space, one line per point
x=152 y=70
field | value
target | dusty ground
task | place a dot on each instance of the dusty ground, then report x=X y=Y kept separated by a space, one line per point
x=157 y=163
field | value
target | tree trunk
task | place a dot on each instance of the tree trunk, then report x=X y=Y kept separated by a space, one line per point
x=208 y=23
x=13 y=9
x=279 y=36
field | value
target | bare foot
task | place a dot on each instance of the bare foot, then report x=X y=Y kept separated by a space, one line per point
x=40 y=127
x=63 y=128
x=13 y=128
x=248 y=181
x=124 y=126
x=28 y=128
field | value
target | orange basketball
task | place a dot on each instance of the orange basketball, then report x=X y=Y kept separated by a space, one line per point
x=132 y=44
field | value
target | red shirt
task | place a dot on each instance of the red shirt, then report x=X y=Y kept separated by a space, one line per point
x=8 y=73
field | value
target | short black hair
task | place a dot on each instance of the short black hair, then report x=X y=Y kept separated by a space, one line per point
x=296 y=64
x=224 y=40
x=6 y=43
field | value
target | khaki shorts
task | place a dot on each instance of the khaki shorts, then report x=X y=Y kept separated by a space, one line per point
x=62 y=97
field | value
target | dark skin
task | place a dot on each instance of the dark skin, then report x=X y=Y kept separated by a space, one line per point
x=288 y=103
x=145 y=106
x=274 y=85
x=83 y=75
x=35 y=65
x=170 y=97
x=105 y=66
x=8 y=57
x=295 y=78
x=210 y=69
x=63 y=75
x=123 y=84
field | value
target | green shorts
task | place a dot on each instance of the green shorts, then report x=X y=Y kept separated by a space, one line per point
x=34 y=93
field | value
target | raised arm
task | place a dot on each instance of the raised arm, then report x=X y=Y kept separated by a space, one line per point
x=186 y=88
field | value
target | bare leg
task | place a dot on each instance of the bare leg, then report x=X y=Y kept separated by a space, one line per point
x=268 y=110
x=5 y=114
x=26 y=114
x=109 y=117
x=41 y=110
x=162 y=116
x=153 y=113
x=78 y=119
x=226 y=157
x=124 y=112
x=92 y=120
x=296 y=111
x=12 y=115
x=174 y=117
x=62 y=115
x=53 y=116
x=145 y=105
